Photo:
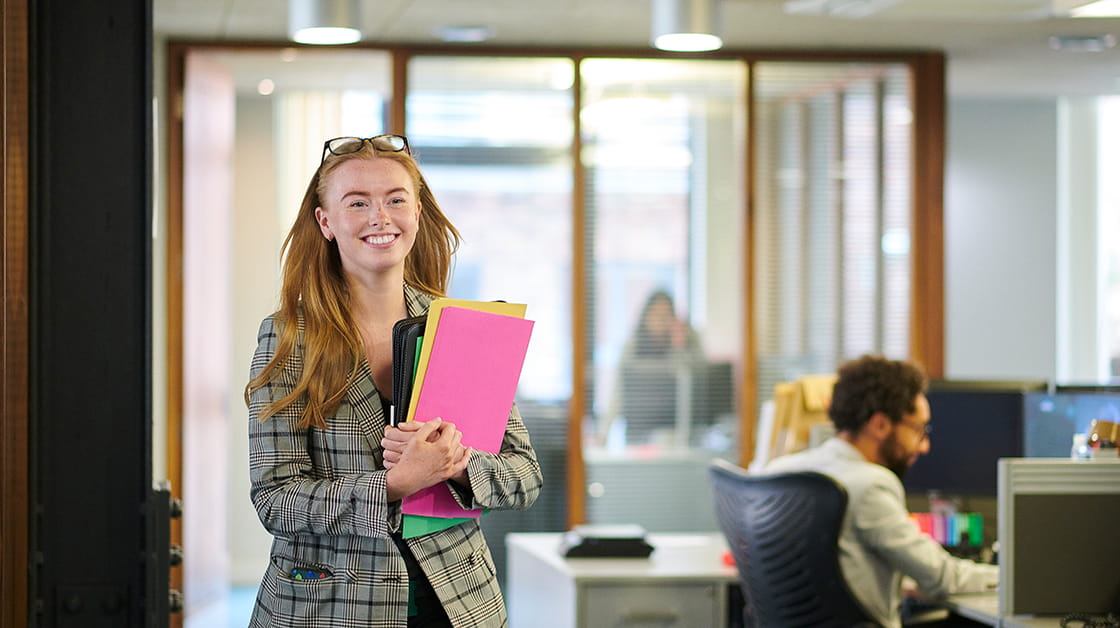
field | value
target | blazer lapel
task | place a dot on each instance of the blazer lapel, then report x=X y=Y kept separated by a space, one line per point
x=365 y=407
x=365 y=403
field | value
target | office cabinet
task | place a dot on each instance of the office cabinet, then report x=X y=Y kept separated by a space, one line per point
x=681 y=604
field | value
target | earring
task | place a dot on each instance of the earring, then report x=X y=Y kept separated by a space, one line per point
x=330 y=237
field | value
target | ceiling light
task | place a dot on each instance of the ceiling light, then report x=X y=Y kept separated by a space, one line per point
x=323 y=22
x=465 y=34
x=1087 y=8
x=1082 y=43
x=685 y=25
x=838 y=8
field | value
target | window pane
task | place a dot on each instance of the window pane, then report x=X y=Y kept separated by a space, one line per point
x=663 y=156
x=832 y=216
x=493 y=136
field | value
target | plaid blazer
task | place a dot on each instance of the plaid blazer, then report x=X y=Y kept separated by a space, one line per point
x=321 y=494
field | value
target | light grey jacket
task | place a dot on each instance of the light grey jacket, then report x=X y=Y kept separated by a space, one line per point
x=878 y=541
x=322 y=495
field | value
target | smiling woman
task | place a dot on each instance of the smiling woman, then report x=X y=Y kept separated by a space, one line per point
x=369 y=246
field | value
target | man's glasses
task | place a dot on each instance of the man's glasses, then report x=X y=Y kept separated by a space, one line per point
x=347 y=145
x=926 y=431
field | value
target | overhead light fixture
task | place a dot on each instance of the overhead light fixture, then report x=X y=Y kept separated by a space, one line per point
x=1087 y=8
x=685 y=25
x=1082 y=43
x=838 y=8
x=465 y=34
x=323 y=22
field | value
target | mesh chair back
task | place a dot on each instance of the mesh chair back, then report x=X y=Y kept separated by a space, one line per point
x=783 y=530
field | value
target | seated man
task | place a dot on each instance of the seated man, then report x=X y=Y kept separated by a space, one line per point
x=882 y=417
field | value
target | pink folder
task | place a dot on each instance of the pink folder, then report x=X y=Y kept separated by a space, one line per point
x=470 y=381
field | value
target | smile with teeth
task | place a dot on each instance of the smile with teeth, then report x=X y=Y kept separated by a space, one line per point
x=384 y=238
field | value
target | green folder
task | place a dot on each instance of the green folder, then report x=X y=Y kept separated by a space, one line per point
x=416 y=525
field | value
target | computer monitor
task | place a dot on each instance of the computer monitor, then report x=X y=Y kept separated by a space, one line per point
x=648 y=398
x=975 y=423
x=1059 y=546
x=1051 y=420
x=713 y=393
x=671 y=397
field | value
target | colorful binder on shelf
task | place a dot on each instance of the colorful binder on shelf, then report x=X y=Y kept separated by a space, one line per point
x=467 y=373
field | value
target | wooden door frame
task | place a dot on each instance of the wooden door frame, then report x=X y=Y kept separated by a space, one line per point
x=14 y=323
x=173 y=295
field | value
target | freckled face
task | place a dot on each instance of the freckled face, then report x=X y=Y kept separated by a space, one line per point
x=371 y=208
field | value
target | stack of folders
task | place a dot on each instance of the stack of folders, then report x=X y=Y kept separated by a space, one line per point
x=460 y=363
x=951 y=530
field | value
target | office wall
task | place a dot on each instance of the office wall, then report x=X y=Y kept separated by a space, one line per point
x=1001 y=200
x=255 y=261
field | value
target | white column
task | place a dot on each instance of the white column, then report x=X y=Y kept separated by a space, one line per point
x=1081 y=354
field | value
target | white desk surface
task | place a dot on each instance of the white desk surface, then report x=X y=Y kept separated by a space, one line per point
x=676 y=556
x=984 y=608
x=1027 y=621
x=981 y=607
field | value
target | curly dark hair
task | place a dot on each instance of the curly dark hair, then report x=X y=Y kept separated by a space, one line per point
x=873 y=384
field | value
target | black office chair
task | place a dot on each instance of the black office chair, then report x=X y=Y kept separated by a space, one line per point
x=782 y=530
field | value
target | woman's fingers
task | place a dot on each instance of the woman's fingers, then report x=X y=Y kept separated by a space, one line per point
x=425 y=453
x=390 y=458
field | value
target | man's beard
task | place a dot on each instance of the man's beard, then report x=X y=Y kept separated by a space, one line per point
x=890 y=451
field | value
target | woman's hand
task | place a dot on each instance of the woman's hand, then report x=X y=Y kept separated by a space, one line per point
x=394 y=440
x=420 y=454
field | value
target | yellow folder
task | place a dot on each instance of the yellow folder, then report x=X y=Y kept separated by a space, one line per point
x=434 y=310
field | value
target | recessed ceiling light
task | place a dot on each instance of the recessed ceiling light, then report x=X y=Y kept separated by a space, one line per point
x=1082 y=43
x=468 y=34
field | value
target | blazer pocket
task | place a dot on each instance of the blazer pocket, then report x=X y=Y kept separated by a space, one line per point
x=305 y=589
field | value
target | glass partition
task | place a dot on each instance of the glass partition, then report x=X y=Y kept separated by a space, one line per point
x=663 y=154
x=832 y=219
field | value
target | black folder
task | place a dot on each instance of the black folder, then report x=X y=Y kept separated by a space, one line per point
x=605 y=541
x=406 y=333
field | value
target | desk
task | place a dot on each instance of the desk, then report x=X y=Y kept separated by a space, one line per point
x=683 y=583
x=981 y=607
x=984 y=608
